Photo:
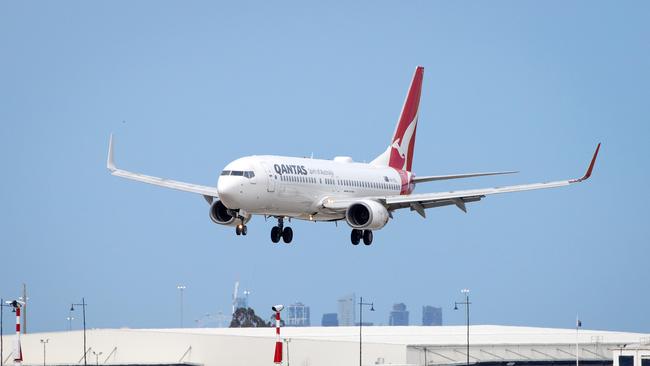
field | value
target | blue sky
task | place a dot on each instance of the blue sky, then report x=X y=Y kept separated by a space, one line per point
x=189 y=86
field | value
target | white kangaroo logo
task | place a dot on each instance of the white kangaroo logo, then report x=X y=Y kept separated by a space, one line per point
x=401 y=145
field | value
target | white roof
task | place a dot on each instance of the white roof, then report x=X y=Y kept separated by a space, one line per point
x=428 y=335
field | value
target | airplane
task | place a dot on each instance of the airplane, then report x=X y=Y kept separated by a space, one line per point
x=364 y=195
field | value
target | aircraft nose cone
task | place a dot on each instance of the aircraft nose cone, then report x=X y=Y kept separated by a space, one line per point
x=228 y=189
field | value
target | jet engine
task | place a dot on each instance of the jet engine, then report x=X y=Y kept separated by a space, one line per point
x=367 y=214
x=222 y=215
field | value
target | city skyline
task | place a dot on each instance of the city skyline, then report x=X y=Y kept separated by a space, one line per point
x=293 y=317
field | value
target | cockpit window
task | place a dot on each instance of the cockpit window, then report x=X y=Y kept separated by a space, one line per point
x=239 y=173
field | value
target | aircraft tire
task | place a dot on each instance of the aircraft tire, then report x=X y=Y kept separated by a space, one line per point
x=237 y=230
x=367 y=237
x=355 y=236
x=287 y=235
x=276 y=234
x=244 y=230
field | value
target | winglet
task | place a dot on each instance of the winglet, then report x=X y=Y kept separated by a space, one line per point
x=591 y=167
x=110 y=164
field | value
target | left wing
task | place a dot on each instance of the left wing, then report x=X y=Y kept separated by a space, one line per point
x=207 y=191
x=420 y=202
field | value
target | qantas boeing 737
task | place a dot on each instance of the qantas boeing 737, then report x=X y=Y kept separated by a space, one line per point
x=364 y=195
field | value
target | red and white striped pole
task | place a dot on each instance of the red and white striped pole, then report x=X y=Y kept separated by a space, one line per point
x=18 y=352
x=277 y=357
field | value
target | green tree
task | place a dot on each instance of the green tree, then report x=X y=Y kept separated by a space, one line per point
x=246 y=318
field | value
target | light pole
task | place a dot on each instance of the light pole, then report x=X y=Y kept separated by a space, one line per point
x=83 y=306
x=69 y=318
x=466 y=303
x=372 y=308
x=578 y=325
x=287 y=341
x=97 y=354
x=44 y=342
x=181 y=288
x=2 y=308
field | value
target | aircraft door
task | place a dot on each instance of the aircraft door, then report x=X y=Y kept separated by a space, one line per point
x=270 y=177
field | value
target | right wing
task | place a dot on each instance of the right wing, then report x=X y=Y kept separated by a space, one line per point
x=207 y=192
x=419 y=202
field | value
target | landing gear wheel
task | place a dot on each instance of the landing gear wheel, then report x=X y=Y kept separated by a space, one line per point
x=238 y=230
x=276 y=233
x=287 y=235
x=355 y=236
x=244 y=230
x=367 y=237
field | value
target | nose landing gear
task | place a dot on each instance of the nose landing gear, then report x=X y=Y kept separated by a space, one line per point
x=280 y=232
x=357 y=235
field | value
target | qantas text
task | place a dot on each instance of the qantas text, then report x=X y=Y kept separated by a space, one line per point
x=290 y=169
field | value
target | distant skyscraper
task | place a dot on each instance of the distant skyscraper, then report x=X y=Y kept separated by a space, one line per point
x=399 y=315
x=297 y=315
x=330 y=320
x=347 y=305
x=431 y=315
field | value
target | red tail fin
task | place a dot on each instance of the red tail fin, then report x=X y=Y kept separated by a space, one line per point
x=403 y=143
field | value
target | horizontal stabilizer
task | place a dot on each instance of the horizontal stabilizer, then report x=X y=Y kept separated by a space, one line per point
x=432 y=178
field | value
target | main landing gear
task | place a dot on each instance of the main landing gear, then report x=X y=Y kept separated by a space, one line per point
x=281 y=232
x=241 y=229
x=357 y=235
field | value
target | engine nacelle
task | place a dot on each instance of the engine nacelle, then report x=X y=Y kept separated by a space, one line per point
x=220 y=214
x=367 y=214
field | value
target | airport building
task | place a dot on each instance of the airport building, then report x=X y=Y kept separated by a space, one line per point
x=325 y=346
x=632 y=354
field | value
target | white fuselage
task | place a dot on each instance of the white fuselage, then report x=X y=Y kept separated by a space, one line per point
x=296 y=187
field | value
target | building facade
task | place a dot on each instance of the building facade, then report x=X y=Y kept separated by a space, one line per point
x=297 y=315
x=399 y=315
x=330 y=320
x=347 y=307
x=431 y=315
